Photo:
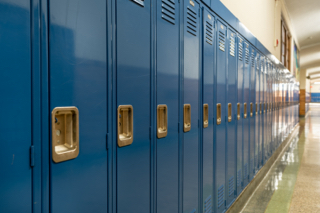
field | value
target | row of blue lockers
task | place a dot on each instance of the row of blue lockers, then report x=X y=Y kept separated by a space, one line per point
x=134 y=106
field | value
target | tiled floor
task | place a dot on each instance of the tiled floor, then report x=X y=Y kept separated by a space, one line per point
x=293 y=183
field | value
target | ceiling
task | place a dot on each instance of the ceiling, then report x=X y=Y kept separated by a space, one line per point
x=305 y=18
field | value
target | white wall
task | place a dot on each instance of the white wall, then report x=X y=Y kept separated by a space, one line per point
x=315 y=88
x=263 y=19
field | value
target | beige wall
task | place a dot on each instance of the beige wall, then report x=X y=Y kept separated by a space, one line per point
x=263 y=19
x=315 y=88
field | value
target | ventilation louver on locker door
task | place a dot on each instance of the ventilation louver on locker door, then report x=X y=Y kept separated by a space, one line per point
x=209 y=33
x=222 y=40
x=252 y=59
x=231 y=186
x=208 y=205
x=168 y=11
x=240 y=50
x=239 y=177
x=247 y=54
x=192 y=21
x=232 y=45
x=220 y=196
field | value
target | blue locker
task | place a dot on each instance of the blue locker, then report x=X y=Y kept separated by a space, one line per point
x=231 y=109
x=246 y=114
x=78 y=77
x=221 y=117
x=167 y=93
x=191 y=96
x=261 y=120
x=268 y=145
x=15 y=102
x=133 y=74
x=251 y=112
x=256 y=112
x=239 y=114
x=208 y=43
x=265 y=118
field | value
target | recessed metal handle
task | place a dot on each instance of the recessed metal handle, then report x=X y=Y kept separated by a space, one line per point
x=125 y=125
x=238 y=111
x=65 y=133
x=162 y=121
x=229 y=112
x=256 y=108
x=218 y=114
x=251 y=109
x=186 y=117
x=260 y=107
x=245 y=110
x=264 y=107
x=205 y=115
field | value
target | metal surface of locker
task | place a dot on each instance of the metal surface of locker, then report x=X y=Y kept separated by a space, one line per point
x=246 y=114
x=231 y=109
x=256 y=112
x=265 y=118
x=239 y=115
x=78 y=78
x=251 y=112
x=167 y=93
x=16 y=137
x=191 y=88
x=221 y=117
x=261 y=120
x=133 y=74
x=208 y=77
x=268 y=145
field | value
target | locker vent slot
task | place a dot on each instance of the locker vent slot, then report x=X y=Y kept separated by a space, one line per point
x=208 y=205
x=168 y=11
x=247 y=60
x=231 y=186
x=209 y=33
x=220 y=196
x=252 y=59
x=192 y=21
x=222 y=41
x=251 y=162
x=232 y=46
x=245 y=172
x=239 y=177
x=240 y=51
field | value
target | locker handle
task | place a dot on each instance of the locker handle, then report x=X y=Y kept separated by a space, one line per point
x=251 y=109
x=186 y=117
x=238 y=111
x=264 y=107
x=229 y=112
x=260 y=107
x=256 y=108
x=65 y=133
x=205 y=115
x=125 y=125
x=162 y=121
x=245 y=110
x=218 y=114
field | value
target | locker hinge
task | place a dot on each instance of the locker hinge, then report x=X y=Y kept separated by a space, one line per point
x=32 y=156
x=178 y=127
x=107 y=142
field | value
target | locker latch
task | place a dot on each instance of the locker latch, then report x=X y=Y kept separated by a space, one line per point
x=218 y=114
x=245 y=110
x=205 y=115
x=186 y=117
x=251 y=109
x=238 y=111
x=229 y=112
x=256 y=108
x=162 y=121
x=65 y=133
x=125 y=125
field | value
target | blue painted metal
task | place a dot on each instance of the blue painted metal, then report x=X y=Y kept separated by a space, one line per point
x=252 y=114
x=191 y=88
x=220 y=130
x=208 y=47
x=240 y=120
x=261 y=129
x=167 y=92
x=256 y=111
x=16 y=96
x=265 y=121
x=133 y=68
x=78 y=78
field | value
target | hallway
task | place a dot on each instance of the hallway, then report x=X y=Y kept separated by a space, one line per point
x=293 y=183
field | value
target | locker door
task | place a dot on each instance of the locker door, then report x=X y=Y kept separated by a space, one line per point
x=167 y=93
x=191 y=112
x=265 y=118
x=231 y=108
x=239 y=115
x=221 y=117
x=261 y=120
x=256 y=112
x=246 y=116
x=207 y=85
x=15 y=102
x=133 y=88
x=267 y=109
x=78 y=78
x=251 y=113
